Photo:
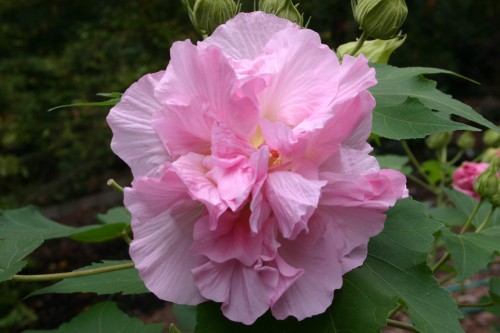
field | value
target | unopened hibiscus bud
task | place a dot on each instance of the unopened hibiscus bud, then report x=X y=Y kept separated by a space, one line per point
x=466 y=141
x=490 y=154
x=491 y=138
x=380 y=19
x=495 y=198
x=207 y=15
x=282 y=8
x=377 y=50
x=487 y=183
x=438 y=140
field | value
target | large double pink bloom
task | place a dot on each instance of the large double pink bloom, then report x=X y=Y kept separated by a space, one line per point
x=252 y=186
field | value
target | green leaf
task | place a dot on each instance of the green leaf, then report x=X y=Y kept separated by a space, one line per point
x=411 y=120
x=465 y=204
x=126 y=281
x=394 y=272
x=104 y=317
x=447 y=215
x=495 y=289
x=115 y=215
x=114 y=98
x=12 y=253
x=211 y=320
x=116 y=223
x=471 y=251
x=185 y=316
x=395 y=162
x=396 y=85
x=29 y=222
x=98 y=234
x=432 y=169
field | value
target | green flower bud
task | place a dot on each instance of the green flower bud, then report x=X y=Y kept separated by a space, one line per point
x=270 y=6
x=490 y=154
x=495 y=198
x=466 y=141
x=282 y=8
x=377 y=50
x=491 y=138
x=207 y=15
x=438 y=140
x=380 y=19
x=487 y=183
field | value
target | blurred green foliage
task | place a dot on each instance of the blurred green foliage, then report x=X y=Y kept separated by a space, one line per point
x=61 y=52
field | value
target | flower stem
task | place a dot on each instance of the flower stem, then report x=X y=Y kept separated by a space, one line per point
x=475 y=305
x=423 y=184
x=114 y=185
x=471 y=217
x=467 y=224
x=415 y=162
x=360 y=42
x=67 y=275
x=404 y=326
x=486 y=220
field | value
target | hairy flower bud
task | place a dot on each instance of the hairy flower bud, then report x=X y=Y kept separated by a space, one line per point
x=377 y=50
x=466 y=141
x=495 y=198
x=380 y=19
x=438 y=140
x=487 y=183
x=207 y=15
x=491 y=138
x=282 y=8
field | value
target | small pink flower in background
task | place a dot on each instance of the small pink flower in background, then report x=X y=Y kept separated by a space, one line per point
x=252 y=186
x=466 y=175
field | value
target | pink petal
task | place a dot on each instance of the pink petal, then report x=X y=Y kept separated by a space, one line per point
x=245 y=36
x=201 y=87
x=160 y=251
x=304 y=77
x=355 y=76
x=149 y=197
x=293 y=200
x=192 y=170
x=328 y=133
x=312 y=292
x=134 y=140
x=245 y=292
x=232 y=239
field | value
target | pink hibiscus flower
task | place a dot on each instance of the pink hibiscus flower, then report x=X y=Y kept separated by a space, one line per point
x=252 y=186
x=466 y=175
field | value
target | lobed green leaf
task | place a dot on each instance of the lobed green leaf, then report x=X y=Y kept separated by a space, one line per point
x=12 y=253
x=405 y=99
x=104 y=317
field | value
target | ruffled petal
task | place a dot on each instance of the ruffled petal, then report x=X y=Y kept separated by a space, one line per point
x=149 y=197
x=293 y=200
x=312 y=292
x=134 y=139
x=245 y=292
x=160 y=251
x=304 y=77
x=232 y=239
x=245 y=36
